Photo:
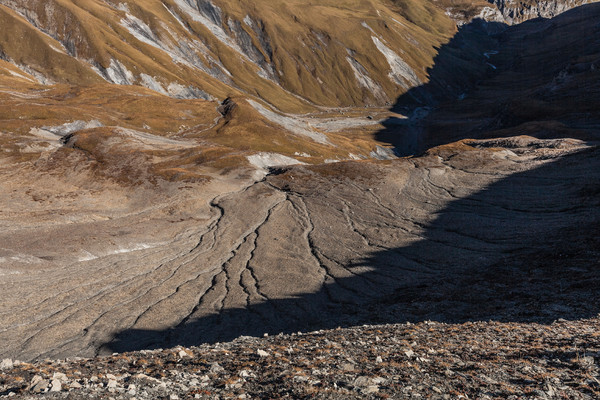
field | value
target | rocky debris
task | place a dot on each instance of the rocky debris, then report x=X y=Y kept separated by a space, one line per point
x=267 y=160
x=475 y=360
x=296 y=126
x=517 y=11
x=382 y=153
x=6 y=363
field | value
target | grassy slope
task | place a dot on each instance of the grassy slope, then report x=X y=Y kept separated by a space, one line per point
x=306 y=44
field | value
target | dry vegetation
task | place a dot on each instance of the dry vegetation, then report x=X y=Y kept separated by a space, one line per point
x=305 y=47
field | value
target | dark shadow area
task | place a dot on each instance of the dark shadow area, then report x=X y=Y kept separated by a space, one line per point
x=525 y=249
x=540 y=78
x=458 y=67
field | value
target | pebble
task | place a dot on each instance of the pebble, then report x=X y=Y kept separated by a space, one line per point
x=60 y=376
x=144 y=376
x=262 y=353
x=215 y=367
x=362 y=381
x=38 y=384
x=371 y=389
x=56 y=386
x=470 y=359
x=6 y=363
x=183 y=354
x=111 y=384
x=347 y=367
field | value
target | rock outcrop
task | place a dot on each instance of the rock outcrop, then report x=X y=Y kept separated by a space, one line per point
x=517 y=11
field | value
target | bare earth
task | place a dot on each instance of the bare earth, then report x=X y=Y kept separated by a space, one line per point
x=469 y=231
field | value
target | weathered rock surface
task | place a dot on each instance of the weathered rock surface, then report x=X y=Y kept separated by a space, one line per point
x=517 y=11
x=482 y=360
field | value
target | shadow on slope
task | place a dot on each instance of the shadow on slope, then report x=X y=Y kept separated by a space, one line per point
x=525 y=248
x=540 y=78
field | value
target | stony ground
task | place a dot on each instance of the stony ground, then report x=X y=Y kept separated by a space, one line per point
x=475 y=360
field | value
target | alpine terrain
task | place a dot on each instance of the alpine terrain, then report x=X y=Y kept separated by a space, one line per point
x=300 y=199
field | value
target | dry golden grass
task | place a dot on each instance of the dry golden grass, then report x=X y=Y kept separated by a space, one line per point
x=308 y=44
x=128 y=107
x=209 y=142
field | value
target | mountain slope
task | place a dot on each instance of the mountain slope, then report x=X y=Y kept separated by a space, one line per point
x=275 y=51
x=132 y=219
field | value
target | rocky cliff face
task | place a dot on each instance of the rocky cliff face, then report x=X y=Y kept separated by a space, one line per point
x=517 y=11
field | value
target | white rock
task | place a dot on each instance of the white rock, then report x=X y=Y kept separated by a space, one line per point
x=60 y=376
x=7 y=363
x=266 y=160
x=246 y=373
x=215 y=367
x=362 y=381
x=294 y=125
x=56 y=386
x=401 y=72
x=262 y=353
x=183 y=354
x=371 y=389
x=38 y=384
x=144 y=376
x=347 y=367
